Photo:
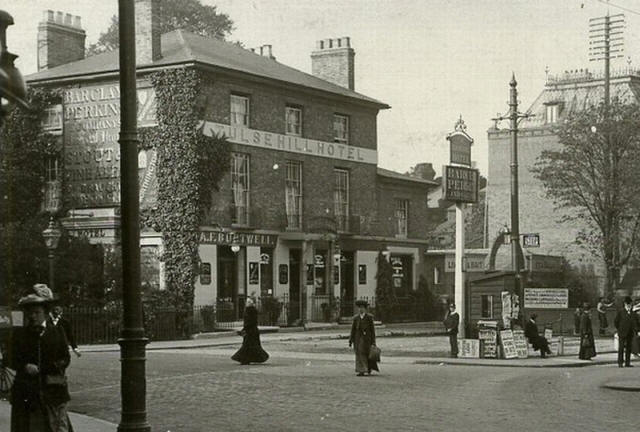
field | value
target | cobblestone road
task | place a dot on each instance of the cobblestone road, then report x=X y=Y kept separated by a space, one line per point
x=202 y=390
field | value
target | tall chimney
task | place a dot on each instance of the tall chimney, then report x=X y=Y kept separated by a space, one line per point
x=147 y=31
x=60 y=39
x=333 y=61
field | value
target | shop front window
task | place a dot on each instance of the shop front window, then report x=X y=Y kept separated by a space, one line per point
x=266 y=272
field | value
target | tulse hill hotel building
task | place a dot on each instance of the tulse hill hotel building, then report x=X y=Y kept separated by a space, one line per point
x=304 y=210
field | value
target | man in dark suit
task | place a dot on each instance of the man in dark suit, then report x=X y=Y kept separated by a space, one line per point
x=451 y=323
x=363 y=337
x=538 y=342
x=59 y=321
x=627 y=324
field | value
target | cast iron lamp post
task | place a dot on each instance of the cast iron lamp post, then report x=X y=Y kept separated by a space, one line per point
x=13 y=89
x=51 y=236
x=133 y=386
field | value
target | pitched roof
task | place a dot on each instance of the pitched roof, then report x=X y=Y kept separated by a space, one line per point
x=577 y=91
x=180 y=47
x=398 y=176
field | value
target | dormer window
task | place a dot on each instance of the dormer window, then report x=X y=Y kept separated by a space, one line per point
x=551 y=115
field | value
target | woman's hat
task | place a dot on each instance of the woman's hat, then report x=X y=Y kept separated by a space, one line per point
x=39 y=294
x=363 y=303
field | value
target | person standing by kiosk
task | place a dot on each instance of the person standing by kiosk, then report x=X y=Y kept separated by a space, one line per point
x=451 y=323
x=626 y=322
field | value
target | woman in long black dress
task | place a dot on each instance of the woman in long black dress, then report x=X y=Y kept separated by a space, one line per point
x=587 y=344
x=251 y=351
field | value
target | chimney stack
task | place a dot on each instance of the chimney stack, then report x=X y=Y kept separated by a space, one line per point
x=147 y=31
x=333 y=61
x=264 y=50
x=60 y=39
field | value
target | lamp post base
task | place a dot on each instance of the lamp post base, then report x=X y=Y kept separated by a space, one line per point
x=133 y=383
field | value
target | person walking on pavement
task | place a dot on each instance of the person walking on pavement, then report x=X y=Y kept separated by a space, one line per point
x=362 y=338
x=577 y=315
x=602 y=315
x=59 y=321
x=626 y=322
x=40 y=356
x=587 y=343
x=538 y=342
x=451 y=323
x=251 y=350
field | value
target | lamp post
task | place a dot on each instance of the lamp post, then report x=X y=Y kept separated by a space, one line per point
x=13 y=89
x=133 y=386
x=51 y=236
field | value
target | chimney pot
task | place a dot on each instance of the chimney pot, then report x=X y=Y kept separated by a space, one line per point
x=59 y=17
x=68 y=20
x=77 y=22
x=48 y=16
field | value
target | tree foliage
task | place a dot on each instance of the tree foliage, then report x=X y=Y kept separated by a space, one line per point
x=189 y=15
x=24 y=147
x=593 y=176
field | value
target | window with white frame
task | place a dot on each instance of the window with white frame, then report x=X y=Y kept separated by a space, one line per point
x=402 y=217
x=436 y=276
x=486 y=306
x=52 y=119
x=240 y=188
x=293 y=194
x=552 y=113
x=294 y=121
x=52 y=168
x=341 y=129
x=239 y=110
x=341 y=198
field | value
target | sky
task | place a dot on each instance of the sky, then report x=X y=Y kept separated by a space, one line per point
x=432 y=61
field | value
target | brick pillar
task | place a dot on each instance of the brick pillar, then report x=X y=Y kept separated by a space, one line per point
x=147 y=31
x=333 y=61
x=60 y=39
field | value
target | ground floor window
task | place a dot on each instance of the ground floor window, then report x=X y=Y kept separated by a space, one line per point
x=402 y=266
x=266 y=271
x=486 y=306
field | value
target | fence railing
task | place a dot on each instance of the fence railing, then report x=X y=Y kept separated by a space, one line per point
x=324 y=308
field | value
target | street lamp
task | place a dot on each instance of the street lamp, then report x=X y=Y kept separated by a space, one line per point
x=13 y=89
x=51 y=236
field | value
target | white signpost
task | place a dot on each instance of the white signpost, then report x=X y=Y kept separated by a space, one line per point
x=460 y=184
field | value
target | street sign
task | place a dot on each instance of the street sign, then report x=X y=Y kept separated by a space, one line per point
x=460 y=184
x=460 y=144
x=531 y=240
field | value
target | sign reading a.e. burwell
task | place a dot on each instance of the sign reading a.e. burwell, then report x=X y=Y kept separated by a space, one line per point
x=91 y=131
x=460 y=184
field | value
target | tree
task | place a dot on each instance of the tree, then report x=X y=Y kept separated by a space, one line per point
x=189 y=15
x=594 y=176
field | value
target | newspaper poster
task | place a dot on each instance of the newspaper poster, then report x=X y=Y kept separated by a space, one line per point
x=508 y=344
x=521 y=343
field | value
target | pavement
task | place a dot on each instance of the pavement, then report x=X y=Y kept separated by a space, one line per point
x=81 y=423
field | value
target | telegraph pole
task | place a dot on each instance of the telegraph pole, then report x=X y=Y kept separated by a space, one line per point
x=132 y=341
x=606 y=41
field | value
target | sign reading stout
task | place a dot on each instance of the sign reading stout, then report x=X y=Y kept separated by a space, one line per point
x=91 y=131
x=460 y=184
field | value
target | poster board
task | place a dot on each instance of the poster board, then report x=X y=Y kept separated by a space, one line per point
x=548 y=334
x=522 y=347
x=468 y=348
x=508 y=344
x=546 y=298
x=488 y=338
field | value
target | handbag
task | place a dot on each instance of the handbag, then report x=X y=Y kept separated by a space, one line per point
x=55 y=380
x=374 y=354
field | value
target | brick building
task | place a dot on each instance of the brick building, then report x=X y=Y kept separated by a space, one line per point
x=561 y=96
x=304 y=210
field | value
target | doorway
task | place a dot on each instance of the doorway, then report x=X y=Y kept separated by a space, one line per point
x=294 y=284
x=347 y=286
x=227 y=300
